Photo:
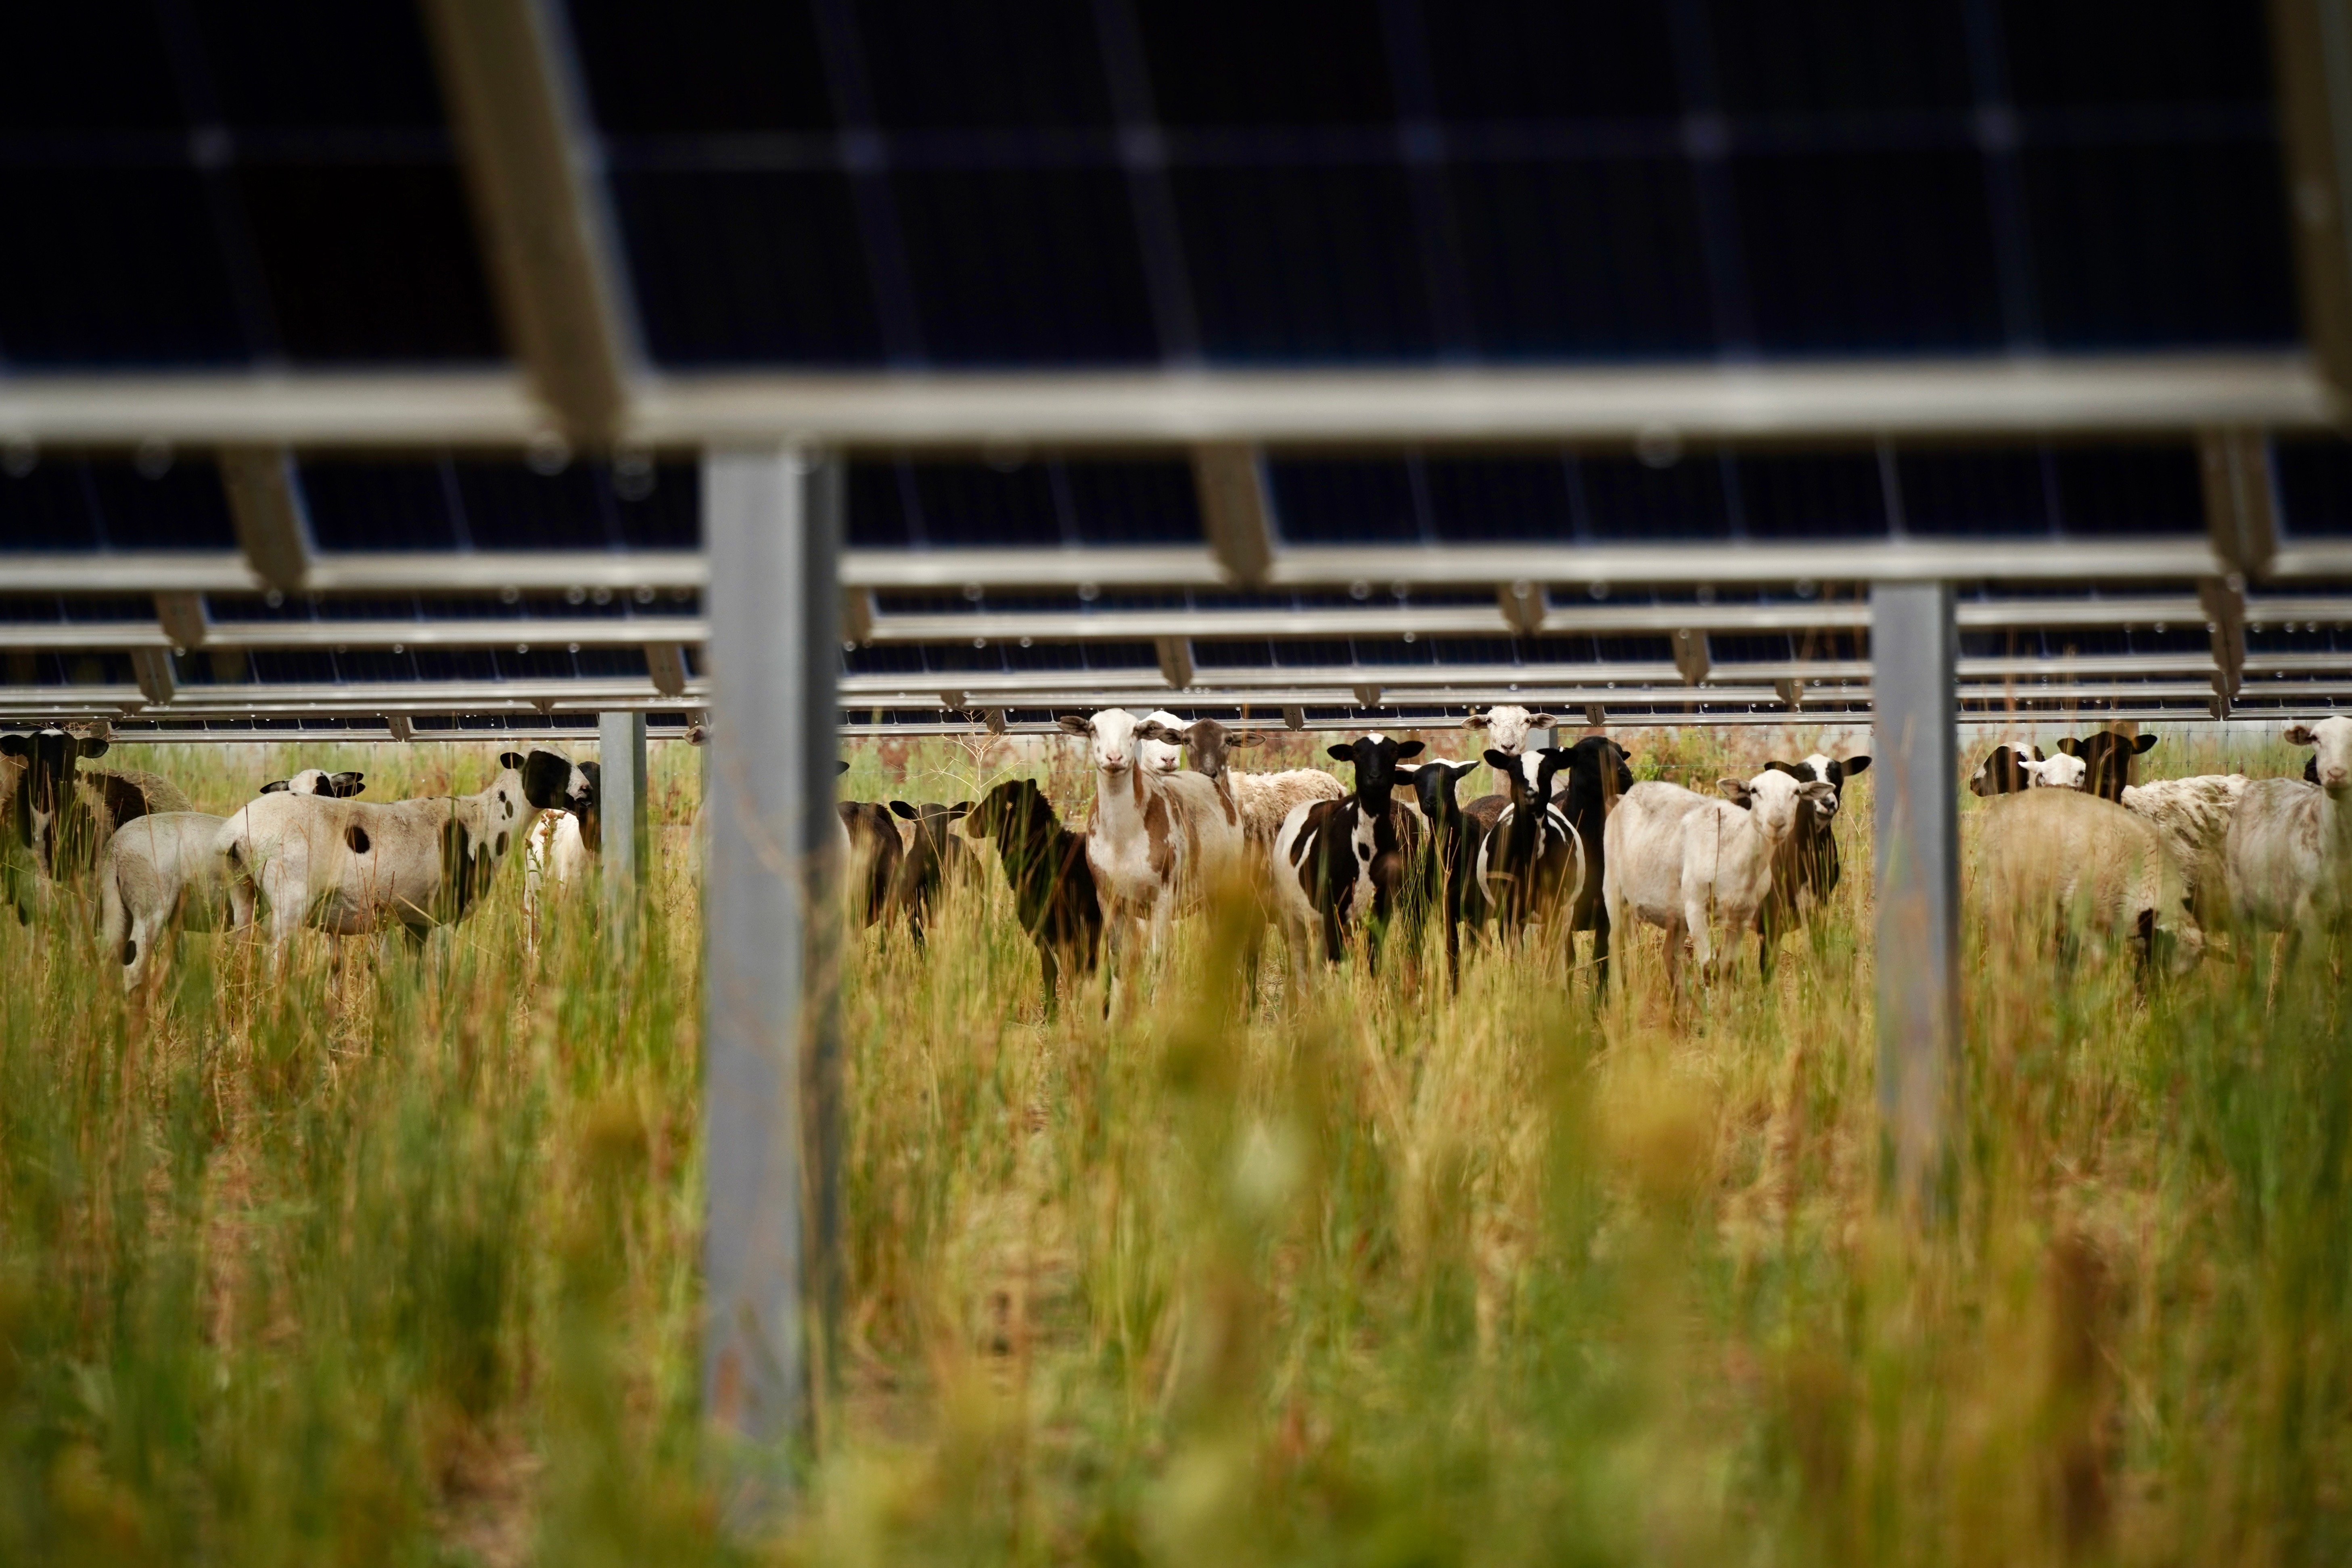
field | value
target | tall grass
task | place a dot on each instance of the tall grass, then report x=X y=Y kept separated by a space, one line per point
x=395 y=1259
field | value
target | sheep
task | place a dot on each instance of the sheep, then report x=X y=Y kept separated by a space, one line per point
x=875 y=850
x=2096 y=866
x=1163 y=755
x=1158 y=842
x=1506 y=727
x=1262 y=799
x=1688 y=863
x=1448 y=862
x=1337 y=861
x=352 y=867
x=60 y=816
x=158 y=872
x=562 y=845
x=1807 y=871
x=1531 y=859
x=931 y=852
x=2107 y=759
x=2287 y=857
x=2192 y=816
x=1046 y=866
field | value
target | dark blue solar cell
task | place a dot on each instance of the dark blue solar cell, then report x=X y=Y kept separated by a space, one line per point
x=48 y=508
x=1811 y=495
x=455 y=664
x=2138 y=247
x=876 y=504
x=936 y=67
x=294 y=63
x=1391 y=651
x=1312 y=653
x=735 y=266
x=1028 y=267
x=1043 y=656
x=1751 y=647
x=714 y=66
x=1313 y=264
x=1133 y=502
x=1546 y=59
x=1472 y=650
x=2315 y=486
x=293 y=666
x=1238 y=653
x=1834 y=56
x=92 y=65
x=540 y=663
x=182 y=508
x=973 y=504
x=1343 y=500
x=1308 y=62
x=1971 y=491
x=1630 y=500
x=375 y=664
x=2129 y=490
x=2134 y=51
x=508 y=507
x=1474 y=499
x=1578 y=260
x=359 y=505
x=1868 y=252
x=660 y=508
x=126 y=272
x=373 y=263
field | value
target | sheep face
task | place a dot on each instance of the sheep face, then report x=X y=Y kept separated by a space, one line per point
x=1506 y=727
x=2065 y=771
x=1774 y=799
x=1163 y=755
x=2005 y=770
x=1206 y=742
x=2332 y=759
x=1115 y=733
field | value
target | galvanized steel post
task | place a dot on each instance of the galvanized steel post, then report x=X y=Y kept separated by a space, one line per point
x=770 y=1037
x=1914 y=655
x=621 y=805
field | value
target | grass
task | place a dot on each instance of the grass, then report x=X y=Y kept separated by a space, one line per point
x=397 y=1262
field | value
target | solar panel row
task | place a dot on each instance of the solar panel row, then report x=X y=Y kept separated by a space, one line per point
x=1090 y=182
x=157 y=501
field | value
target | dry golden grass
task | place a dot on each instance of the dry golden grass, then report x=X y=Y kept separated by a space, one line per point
x=398 y=1263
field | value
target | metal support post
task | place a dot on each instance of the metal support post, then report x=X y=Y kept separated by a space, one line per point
x=1913 y=658
x=620 y=789
x=771 y=1036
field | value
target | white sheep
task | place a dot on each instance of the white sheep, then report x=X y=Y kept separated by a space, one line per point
x=2192 y=816
x=1506 y=726
x=156 y=872
x=1691 y=863
x=2095 y=866
x=2287 y=858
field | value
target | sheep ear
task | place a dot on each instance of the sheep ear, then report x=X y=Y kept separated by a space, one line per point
x=1410 y=748
x=1245 y=738
x=1074 y=723
x=839 y=767
x=2070 y=745
x=1340 y=753
x=2301 y=735
x=1501 y=761
x=1541 y=722
x=1856 y=766
x=94 y=748
x=1788 y=768
x=900 y=808
x=511 y=760
x=959 y=808
x=2143 y=744
x=1734 y=790
x=1475 y=721
x=275 y=785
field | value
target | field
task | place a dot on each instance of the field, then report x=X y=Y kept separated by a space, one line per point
x=395 y=1261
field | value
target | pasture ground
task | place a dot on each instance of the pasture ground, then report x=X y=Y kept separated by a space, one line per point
x=397 y=1263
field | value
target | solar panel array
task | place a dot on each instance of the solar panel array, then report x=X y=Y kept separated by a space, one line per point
x=1087 y=184
x=1096 y=183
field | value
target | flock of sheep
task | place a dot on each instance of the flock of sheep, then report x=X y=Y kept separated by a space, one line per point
x=1571 y=844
